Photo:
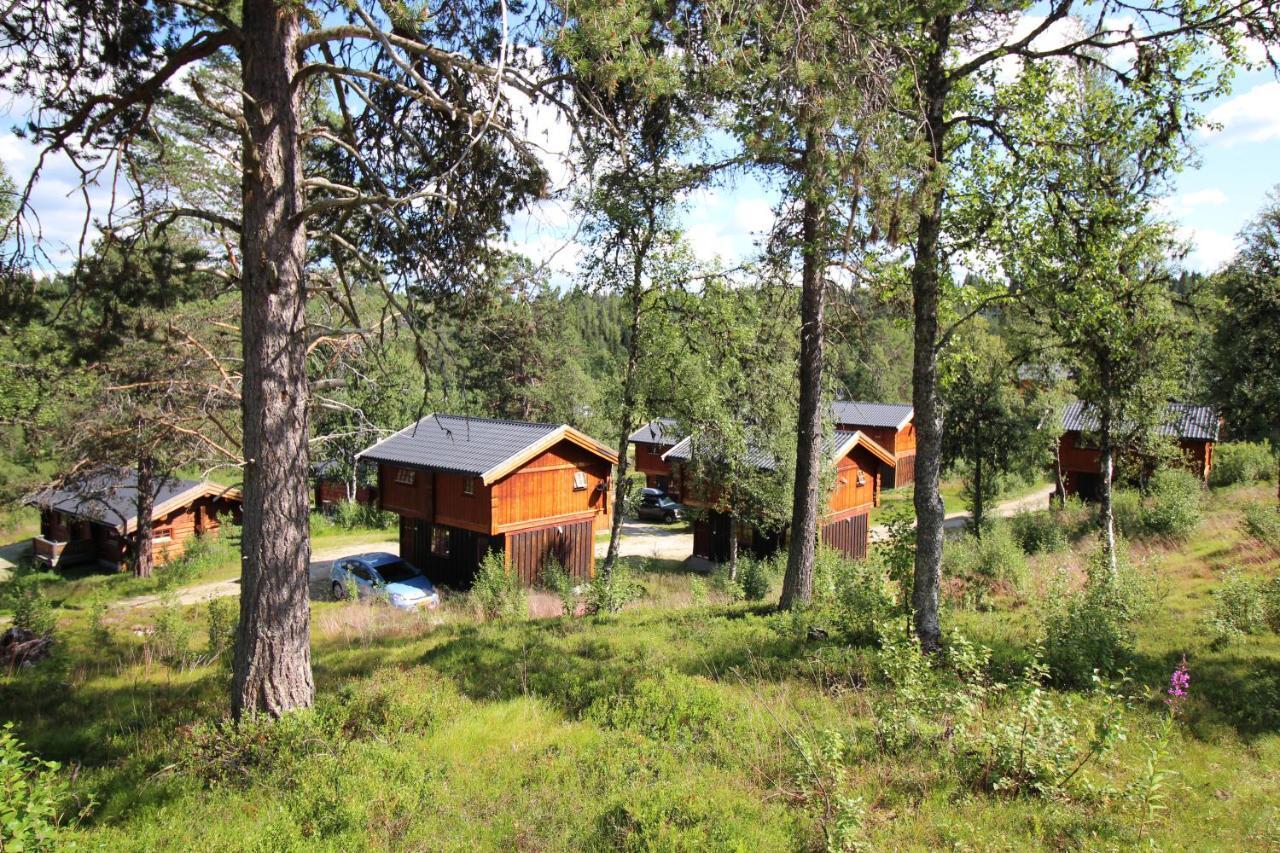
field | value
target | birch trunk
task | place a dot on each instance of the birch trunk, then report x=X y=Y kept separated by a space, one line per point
x=144 y=560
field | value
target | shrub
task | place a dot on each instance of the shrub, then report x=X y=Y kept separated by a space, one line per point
x=496 y=591
x=99 y=633
x=34 y=797
x=350 y=515
x=172 y=638
x=1173 y=504
x=610 y=594
x=1241 y=462
x=31 y=610
x=756 y=578
x=1039 y=532
x=1092 y=630
x=223 y=620
x=1126 y=506
x=671 y=708
x=996 y=560
x=203 y=554
x=230 y=751
x=1262 y=522
x=863 y=598
x=557 y=580
x=1241 y=605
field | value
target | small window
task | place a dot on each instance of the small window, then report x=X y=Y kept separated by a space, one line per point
x=161 y=534
x=405 y=476
x=361 y=571
x=862 y=478
x=579 y=480
x=440 y=541
x=469 y=486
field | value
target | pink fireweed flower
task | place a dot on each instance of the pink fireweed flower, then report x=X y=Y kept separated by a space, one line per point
x=1179 y=684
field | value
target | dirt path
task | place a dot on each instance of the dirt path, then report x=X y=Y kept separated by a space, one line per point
x=318 y=573
x=1039 y=499
x=659 y=541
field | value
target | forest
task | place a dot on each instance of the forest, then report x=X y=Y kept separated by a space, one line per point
x=391 y=458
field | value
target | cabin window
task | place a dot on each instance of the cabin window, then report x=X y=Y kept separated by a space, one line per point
x=469 y=486
x=162 y=534
x=405 y=476
x=579 y=480
x=440 y=541
x=862 y=478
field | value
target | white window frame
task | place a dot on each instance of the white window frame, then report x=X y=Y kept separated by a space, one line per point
x=579 y=481
x=406 y=476
x=469 y=486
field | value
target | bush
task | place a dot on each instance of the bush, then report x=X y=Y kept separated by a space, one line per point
x=863 y=599
x=557 y=580
x=31 y=610
x=756 y=577
x=1040 y=532
x=1242 y=605
x=172 y=638
x=610 y=594
x=223 y=620
x=236 y=752
x=1173 y=505
x=350 y=515
x=34 y=796
x=671 y=708
x=497 y=592
x=1126 y=506
x=203 y=554
x=987 y=564
x=1262 y=522
x=1241 y=462
x=1092 y=630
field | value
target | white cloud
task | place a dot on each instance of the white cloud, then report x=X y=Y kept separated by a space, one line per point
x=753 y=215
x=1184 y=203
x=1251 y=117
x=710 y=242
x=1210 y=249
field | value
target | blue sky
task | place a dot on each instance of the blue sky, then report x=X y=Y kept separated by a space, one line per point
x=1238 y=165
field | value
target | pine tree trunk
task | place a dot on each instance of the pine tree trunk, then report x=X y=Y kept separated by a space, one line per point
x=797 y=583
x=930 y=515
x=978 y=508
x=144 y=542
x=628 y=425
x=273 y=652
x=1059 y=485
x=1106 y=456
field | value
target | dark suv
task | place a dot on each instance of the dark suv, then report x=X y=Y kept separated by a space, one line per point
x=656 y=506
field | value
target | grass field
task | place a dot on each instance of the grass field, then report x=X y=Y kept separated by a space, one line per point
x=686 y=722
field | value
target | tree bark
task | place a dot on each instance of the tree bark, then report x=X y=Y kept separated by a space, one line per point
x=628 y=425
x=143 y=539
x=930 y=514
x=797 y=583
x=977 y=495
x=1059 y=485
x=733 y=547
x=273 y=653
x=1106 y=456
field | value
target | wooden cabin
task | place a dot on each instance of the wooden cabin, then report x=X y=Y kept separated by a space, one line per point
x=858 y=462
x=1195 y=428
x=890 y=425
x=651 y=441
x=332 y=489
x=96 y=519
x=466 y=486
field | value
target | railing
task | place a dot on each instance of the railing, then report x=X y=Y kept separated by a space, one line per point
x=48 y=550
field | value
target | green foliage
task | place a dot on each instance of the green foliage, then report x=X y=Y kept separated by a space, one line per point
x=496 y=592
x=351 y=515
x=862 y=597
x=559 y=581
x=1040 y=532
x=1242 y=605
x=1241 y=462
x=1262 y=522
x=98 y=630
x=987 y=564
x=171 y=640
x=203 y=555
x=234 y=752
x=611 y=593
x=1091 y=631
x=671 y=708
x=35 y=797
x=756 y=577
x=1173 y=505
x=224 y=617
x=31 y=609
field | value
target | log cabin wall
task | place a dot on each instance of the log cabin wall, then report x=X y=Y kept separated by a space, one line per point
x=549 y=487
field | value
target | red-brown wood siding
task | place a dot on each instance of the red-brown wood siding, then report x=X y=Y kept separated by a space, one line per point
x=649 y=459
x=329 y=493
x=543 y=489
x=848 y=535
x=408 y=500
x=455 y=508
x=1082 y=465
x=572 y=544
x=904 y=474
x=847 y=494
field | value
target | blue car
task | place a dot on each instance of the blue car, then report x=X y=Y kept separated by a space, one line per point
x=381 y=574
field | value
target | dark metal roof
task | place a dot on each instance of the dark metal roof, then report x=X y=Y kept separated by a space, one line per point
x=1184 y=420
x=108 y=497
x=458 y=444
x=658 y=431
x=762 y=459
x=852 y=413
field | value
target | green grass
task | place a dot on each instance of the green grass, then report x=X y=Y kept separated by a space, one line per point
x=664 y=727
